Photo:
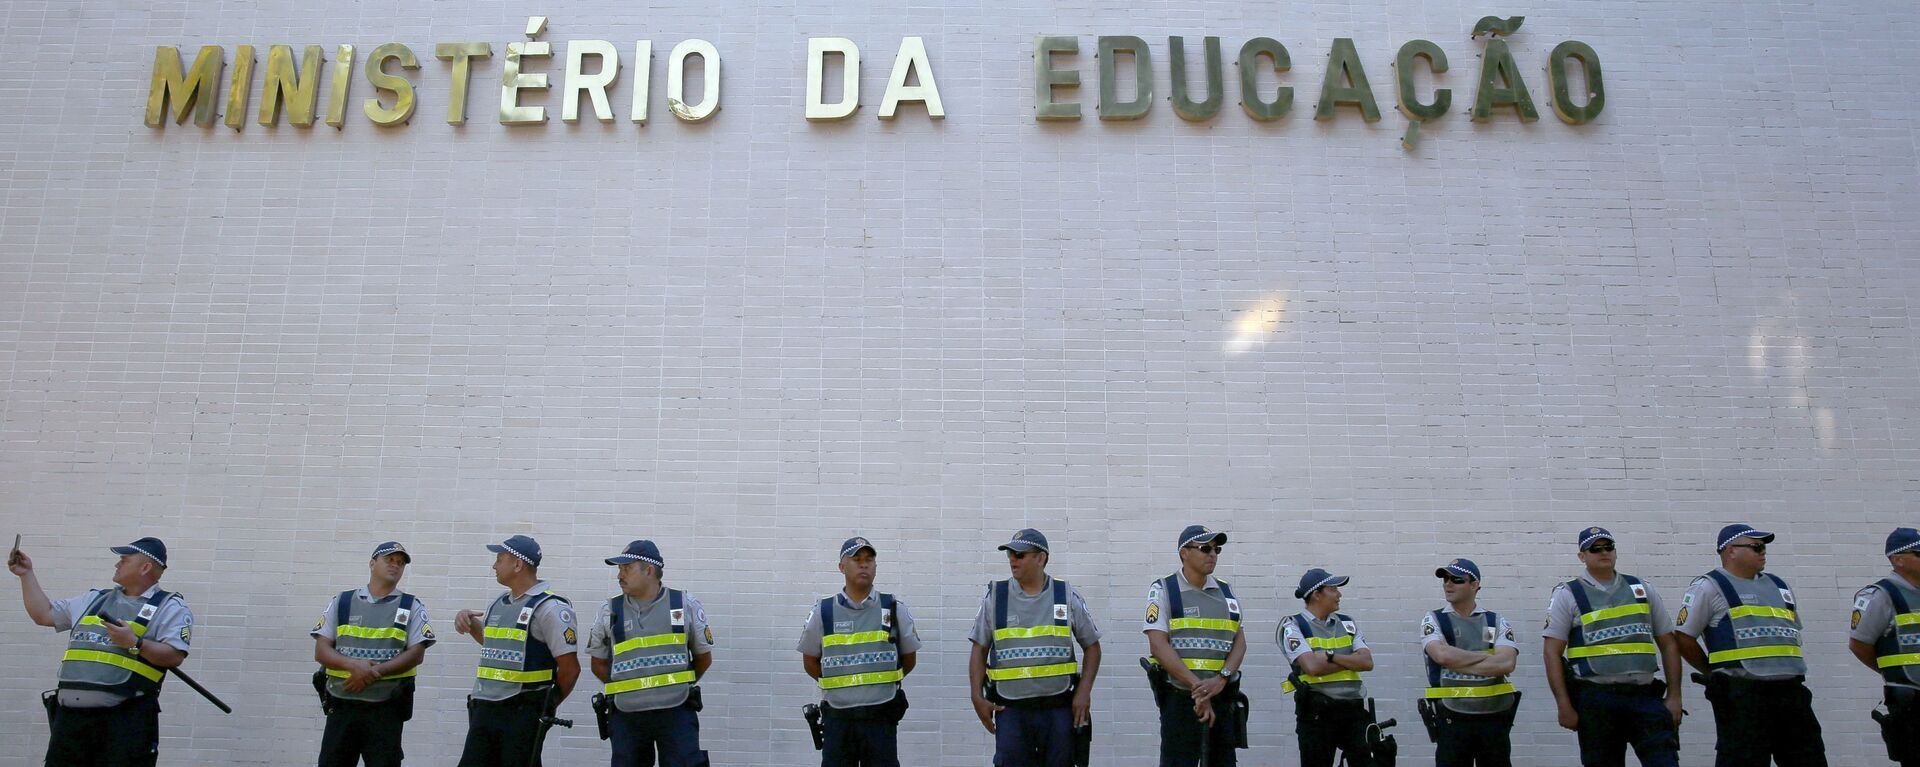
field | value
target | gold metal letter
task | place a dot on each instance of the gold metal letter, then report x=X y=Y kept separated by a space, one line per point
x=1498 y=63
x=403 y=101
x=301 y=91
x=461 y=54
x=911 y=60
x=643 y=71
x=342 y=77
x=1343 y=65
x=1250 y=53
x=595 y=84
x=710 y=81
x=193 y=91
x=1590 y=68
x=512 y=81
x=1046 y=78
x=1111 y=107
x=817 y=50
x=1189 y=109
x=238 y=87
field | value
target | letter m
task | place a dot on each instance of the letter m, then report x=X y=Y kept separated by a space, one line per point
x=192 y=90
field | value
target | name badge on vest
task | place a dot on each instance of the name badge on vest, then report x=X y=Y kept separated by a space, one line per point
x=886 y=618
x=1059 y=612
x=1348 y=627
x=526 y=616
x=1233 y=605
x=1639 y=591
x=677 y=617
x=1786 y=595
x=146 y=612
x=402 y=617
x=1492 y=634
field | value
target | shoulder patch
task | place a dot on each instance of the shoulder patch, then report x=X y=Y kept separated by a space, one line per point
x=1510 y=633
x=1682 y=617
x=571 y=637
x=1153 y=612
x=1427 y=626
x=319 y=624
x=1856 y=620
x=1293 y=641
x=708 y=630
x=426 y=631
x=186 y=634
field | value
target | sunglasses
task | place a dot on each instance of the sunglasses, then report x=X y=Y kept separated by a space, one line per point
x=1208 y=548
x=1758 y=548
x=1011 y=554
x=1606 y=549
x=1457 y=580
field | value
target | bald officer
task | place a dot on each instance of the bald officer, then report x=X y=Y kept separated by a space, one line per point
x=1328 y=655
x=649 y=646
x=1756 y=675
x=528 y=660
x=370 y=642
x=1611 y=661
x=860 y=644
x=121 y=642
x=1470 y=652
x=1193 y=630
x=1886 y=639
x=1027 y=689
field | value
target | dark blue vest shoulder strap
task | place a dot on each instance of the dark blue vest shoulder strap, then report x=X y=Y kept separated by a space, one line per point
x=343 y=608
x=1726 y=589
x=1446 y=626
x=617 y=618
x=1061 y=617
x=1580 y=600
x=406 y=602
x=1000 y=589
x=1171 y=585
x=1893 y=593
x=826 y=616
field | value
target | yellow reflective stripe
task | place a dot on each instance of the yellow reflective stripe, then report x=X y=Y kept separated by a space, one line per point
x=1032 y=672
x=855 y=680
x=519 y=677
x=338 y=674
x=1747 y=653
x=652 y=641
x=1338 y=676
x=1624 y=648
x=1470 y=692
x=836 y=640
x=1330 y=643
x=363 y=632
x=139 y=629
x=1907 y=619
x=1615 y=612
x=1035 y=631
x=112 y=659
x=649 y=682
x=1206 y=624
x=1750 y=611
x=1903 y=659
x=518 y=635
x=1198 y=664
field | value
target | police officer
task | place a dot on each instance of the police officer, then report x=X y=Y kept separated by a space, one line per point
x=1886 y=638
x=1756 y=677
x=528 y=662
x=1027 y=689
x=649 y=646
x=370 y=642
x=121 y=642
x=860 y=643
x=1608 y=645
x=1328 y=656
x=1469 y=652
x=1193 y=630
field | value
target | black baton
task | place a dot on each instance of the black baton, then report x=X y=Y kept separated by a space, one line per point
x=204 y=692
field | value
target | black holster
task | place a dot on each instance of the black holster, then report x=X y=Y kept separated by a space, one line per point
x=1429 y=718
x=50 y=700
x=811 y=712
x=1083 y=745
x=320 y=687
x=602 y=708
x=1157 y=681
x=1242 y=709
x=695 y=702
x=1900 y=724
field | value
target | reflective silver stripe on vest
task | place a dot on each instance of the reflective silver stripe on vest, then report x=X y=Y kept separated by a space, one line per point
x=859 y=665
x=1032 y=657
x=1473 y=635
x=92 y=661
x=503 y=671
x=1617 y=632
x=375 y=632
x=1762 y=635
x=652 y=667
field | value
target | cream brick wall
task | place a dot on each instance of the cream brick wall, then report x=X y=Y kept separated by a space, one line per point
x=751 y=337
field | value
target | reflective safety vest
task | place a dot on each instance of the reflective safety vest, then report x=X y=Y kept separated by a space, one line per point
x=1897 y=652
x=512 y=660
x=1761 y=636
x=1204 y=640
x=1615 y=635
x=93 y=662
x=1468 y=693
x=860 y=666
x=1031 y=655
x=370 y=631
x=1335 y=637
x=652 y=665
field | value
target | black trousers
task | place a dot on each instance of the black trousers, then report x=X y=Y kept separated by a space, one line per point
x=1902 y=729
x=358 y=730
x=1473 y=740
x=1759 y=721
x=1180 y=733
x=504 y=733
x=127 y=735
x=1615 y=716
x=1326 y=725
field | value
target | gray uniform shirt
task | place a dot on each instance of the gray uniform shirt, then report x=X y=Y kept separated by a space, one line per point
x=1873 y=614
x=1563 y=618
x=1085 y=631
x=172 y=625
x=699 y=632
x=419 y=629
x=1704 y=606
x=909 y=636
x=553 y=622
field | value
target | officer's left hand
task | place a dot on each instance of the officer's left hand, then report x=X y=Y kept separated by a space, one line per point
x=361 y=675
x=118 y=633
x=1673 y=710
x=1203 y=710
x=1082 y=706
x=1208 y=688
